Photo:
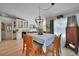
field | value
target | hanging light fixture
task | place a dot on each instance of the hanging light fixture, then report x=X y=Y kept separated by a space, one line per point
x=39 y=18
x=39 y=21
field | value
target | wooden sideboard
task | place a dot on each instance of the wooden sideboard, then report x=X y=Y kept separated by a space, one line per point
x=72 y=38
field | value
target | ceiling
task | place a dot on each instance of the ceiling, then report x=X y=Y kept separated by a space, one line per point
x=30 y=10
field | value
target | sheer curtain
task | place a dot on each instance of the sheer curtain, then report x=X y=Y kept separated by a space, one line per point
x=60 y=28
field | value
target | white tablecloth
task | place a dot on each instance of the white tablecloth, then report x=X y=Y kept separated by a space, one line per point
x=45 y=39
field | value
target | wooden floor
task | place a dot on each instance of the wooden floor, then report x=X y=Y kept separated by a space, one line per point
x=14 y=48
x=11 y=48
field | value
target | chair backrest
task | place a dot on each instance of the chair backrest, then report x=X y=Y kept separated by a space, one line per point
x=29 y=44
x=58 y=38
x=23 y=34
x=57 y=44
x=24 y=38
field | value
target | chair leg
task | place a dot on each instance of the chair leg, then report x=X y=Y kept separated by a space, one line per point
x=59 y=50
x=39 y=50
x=56 y=53
x=27 y=52
x=23 y=49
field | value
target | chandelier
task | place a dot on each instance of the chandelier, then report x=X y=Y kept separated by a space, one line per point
x=39 y=21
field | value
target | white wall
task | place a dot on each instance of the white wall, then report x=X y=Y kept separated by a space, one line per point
x=20 y=30
x=32 y=22
x=6 y=21
x=19 y=33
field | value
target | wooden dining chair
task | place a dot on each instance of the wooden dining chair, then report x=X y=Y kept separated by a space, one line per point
x=30 y=48
x=56 y=48
x=24 y=41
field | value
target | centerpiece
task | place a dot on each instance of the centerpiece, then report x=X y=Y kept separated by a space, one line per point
x=39 y=27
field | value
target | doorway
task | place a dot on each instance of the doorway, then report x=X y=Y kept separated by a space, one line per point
x=6 y=31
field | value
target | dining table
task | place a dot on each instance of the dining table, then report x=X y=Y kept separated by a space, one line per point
x=45 y=39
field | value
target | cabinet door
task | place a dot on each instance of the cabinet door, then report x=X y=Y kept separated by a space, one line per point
x=72 y=35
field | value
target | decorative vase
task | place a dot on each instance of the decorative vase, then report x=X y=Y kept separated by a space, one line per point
x=40 y=32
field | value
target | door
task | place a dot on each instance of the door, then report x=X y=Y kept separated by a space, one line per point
x=51 y=26
x=2 y=31
x=6 y=31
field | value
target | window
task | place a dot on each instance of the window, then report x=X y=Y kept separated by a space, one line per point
x=60 y=26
